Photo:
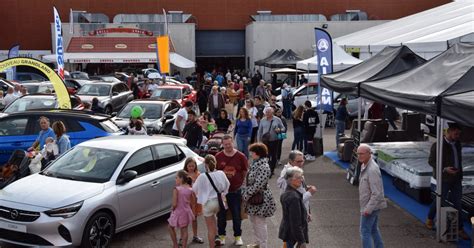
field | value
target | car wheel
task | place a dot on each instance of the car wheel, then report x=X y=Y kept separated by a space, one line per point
x=108 y=110
x=99 y=231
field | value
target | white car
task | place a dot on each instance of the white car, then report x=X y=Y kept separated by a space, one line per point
x=96 y=189
x=302 y=94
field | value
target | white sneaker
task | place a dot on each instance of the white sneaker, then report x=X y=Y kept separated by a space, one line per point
x=220 y=240
x=311 y=158
x=238 y=241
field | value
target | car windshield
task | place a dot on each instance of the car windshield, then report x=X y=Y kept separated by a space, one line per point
x=167 y=94
x=88 y=164
x=39 y=88
x=29 y=103
x=94 y=90
x=150 y=111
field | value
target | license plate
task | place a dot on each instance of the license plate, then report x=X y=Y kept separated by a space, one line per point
x=12 y=226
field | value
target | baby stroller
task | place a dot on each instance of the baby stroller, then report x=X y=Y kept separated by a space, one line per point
x=213 y=145
x=15 y=168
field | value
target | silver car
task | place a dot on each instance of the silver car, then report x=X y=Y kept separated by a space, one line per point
x=111 y=96
x=96 y=189
x=159 y=116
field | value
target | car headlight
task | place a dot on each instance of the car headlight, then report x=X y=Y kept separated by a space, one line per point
x=65 y=212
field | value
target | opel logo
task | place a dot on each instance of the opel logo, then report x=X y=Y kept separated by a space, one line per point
x=14 y=214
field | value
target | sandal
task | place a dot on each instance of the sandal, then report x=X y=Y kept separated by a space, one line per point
x=198 y=240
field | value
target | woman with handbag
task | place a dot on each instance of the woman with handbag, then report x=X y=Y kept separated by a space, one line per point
x=210 y=189
x=257 y=195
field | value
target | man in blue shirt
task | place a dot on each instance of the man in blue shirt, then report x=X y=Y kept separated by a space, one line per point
x=45 y=132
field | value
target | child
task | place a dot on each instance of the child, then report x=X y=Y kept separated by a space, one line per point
x=136 y=127
x=50 y=150
x=190 y=166
x=182 y=214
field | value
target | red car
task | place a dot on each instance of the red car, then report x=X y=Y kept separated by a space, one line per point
x=180 y=93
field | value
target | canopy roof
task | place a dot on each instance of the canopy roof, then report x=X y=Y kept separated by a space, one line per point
x=117 y=57
x=459 y=108
x=286 y=70
x=275 y=54
x=422 y=88
x=389 y=61
x=341 y=60
x=288 y=59
x=439 y=24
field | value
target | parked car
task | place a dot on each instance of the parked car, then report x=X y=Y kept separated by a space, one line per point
x=5 y=84
x=19 y=130
x=105 y=78
x=74 y=85
x=40 y=101
x=180 y=93
x=95 y=190
x=35 y=87
x=112 y=96
x=301 y=94
x=158 y=116
x=27 y=76
x=79 y=75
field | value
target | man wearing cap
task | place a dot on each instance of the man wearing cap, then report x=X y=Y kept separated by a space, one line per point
x=451 y=176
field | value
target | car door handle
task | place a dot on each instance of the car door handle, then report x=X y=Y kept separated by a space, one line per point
x=154 y=184
x=17 y=143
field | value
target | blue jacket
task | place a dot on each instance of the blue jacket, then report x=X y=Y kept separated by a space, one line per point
x=243 y=128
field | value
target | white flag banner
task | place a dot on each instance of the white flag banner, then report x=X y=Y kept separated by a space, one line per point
x=59 y=50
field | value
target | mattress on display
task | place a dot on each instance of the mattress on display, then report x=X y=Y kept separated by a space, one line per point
x=409 y=162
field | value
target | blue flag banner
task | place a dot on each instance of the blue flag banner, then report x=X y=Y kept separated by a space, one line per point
x=58 y=35
x=13 y=53
x=324 y=53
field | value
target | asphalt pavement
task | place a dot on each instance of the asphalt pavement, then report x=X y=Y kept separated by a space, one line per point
x=335 y=210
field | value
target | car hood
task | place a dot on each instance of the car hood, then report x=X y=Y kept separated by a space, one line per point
x=49 y=192
x=86 y=98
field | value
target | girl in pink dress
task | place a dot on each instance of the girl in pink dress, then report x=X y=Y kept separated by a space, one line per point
x=182 y=213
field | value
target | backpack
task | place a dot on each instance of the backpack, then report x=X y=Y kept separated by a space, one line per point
x=289 y=94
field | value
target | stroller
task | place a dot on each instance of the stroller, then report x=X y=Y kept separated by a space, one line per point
x=15 y=168
x=213 y=145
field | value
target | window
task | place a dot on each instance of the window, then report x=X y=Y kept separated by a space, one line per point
x=172 y=108
x=12 y=127
x=52 y=119
x=116 y=89
x=168 y=154
x=141 y=162
x=123 y=87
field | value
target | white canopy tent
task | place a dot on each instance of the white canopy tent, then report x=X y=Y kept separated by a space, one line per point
x=427 y=33
x=75 y=58
x=341 y=60
x=286 y=70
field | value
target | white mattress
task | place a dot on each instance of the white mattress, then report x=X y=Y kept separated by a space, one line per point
x=409 y=162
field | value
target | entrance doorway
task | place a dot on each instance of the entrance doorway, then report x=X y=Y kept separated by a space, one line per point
x=220 y=64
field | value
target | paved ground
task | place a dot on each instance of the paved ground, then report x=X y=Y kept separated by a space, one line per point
x=335 y=210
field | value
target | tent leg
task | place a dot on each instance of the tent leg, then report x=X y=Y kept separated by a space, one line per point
x=439 y=171
x=359 y=109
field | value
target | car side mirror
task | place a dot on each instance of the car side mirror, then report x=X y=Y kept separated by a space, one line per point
x=127 y=176
x=168 y=117
x=115 y=93
x=113 y=114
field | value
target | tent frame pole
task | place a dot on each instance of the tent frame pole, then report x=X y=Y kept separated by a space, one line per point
x=359 y=114
x=439 y=173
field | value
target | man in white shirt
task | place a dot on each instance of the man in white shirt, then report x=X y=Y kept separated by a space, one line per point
x=181 y=118
x=9 y=97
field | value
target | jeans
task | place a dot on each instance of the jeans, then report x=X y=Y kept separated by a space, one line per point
x=287 y=109
x=308 y=142
x=369 y=230
x=299 y=138
x=290 y=244
x=455 y=195
x=243 y=144
x=234 y=203
x=340 y=127
x=272 y=154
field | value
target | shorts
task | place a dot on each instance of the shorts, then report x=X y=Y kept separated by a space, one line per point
x=211 y=208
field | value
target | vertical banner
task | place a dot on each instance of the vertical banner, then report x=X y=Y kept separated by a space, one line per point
x=13 y=53
x=324 y=53
x=163 y=46
x=59 y=43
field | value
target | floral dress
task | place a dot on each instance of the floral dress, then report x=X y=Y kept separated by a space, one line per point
x=257 y=180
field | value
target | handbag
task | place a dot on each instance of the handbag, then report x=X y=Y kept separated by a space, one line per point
x=281 y=136
x=257 y=198
x=266 y=136
x=220 y=197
